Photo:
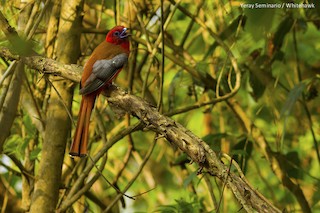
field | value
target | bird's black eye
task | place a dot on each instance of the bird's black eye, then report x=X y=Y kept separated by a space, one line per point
x=116 y=33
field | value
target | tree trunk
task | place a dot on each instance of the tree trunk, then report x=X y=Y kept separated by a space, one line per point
x=58 y=123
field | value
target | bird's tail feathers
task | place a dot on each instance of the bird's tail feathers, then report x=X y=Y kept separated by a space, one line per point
x=80 y=142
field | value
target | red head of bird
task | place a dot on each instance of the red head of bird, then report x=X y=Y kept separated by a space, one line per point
x=119 y=36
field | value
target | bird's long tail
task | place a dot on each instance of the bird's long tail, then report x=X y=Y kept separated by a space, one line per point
x=80 y=141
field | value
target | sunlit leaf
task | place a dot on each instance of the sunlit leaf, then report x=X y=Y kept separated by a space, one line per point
x=15 y=145
x=35 y=153
x=30 y=128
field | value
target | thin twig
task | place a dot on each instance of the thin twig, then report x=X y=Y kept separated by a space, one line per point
x=159 y=105
x=112 y=185
x=145 y=160
x=61 y=100
x=70 y=199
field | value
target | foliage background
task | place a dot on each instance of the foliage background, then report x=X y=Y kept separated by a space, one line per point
x=277 y=51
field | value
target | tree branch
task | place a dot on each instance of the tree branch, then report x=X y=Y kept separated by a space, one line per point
x=197 y=150
x=192 y=145
x=46 y=65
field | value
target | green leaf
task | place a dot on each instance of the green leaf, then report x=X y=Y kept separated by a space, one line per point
x=259 y=20
x=181 y=159
x=282 y=30
x=293 y=96
x=189 y=179
x=316 y=196
x=30 y=128
x=195 y=205
x=226 y=33
x=257 y=86
x=292 y=165
x=14 y=145
x=313 y=14
x=214 y=140
x=11 y=144
x=34 y=153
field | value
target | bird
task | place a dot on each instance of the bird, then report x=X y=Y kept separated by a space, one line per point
x=104 y=64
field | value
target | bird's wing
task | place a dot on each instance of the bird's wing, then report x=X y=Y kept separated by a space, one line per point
x=103 y=72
